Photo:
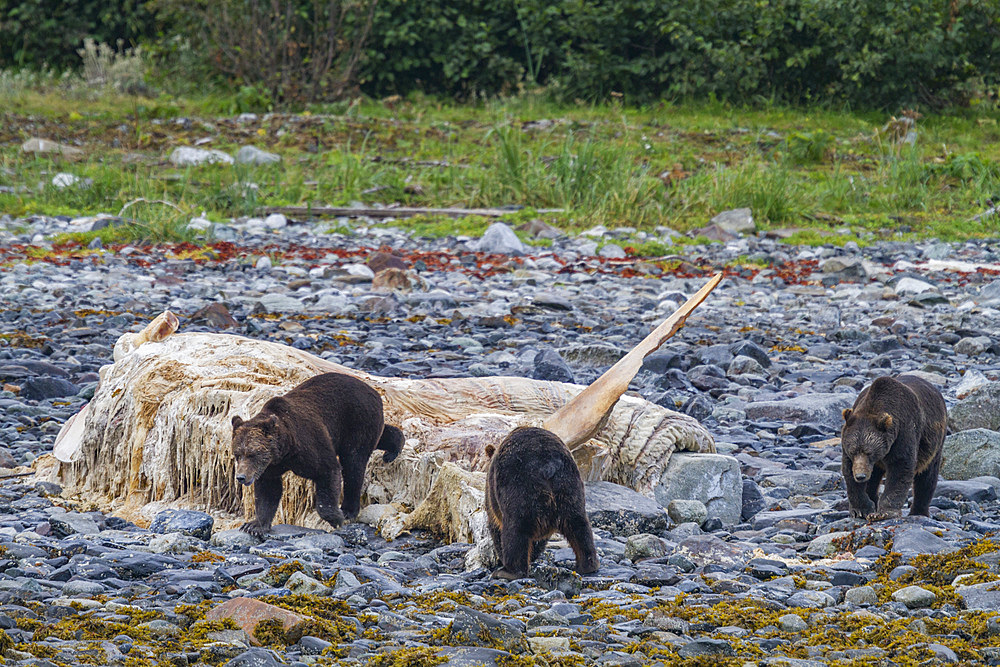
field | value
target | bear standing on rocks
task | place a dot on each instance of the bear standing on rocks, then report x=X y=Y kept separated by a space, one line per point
x=896 y=429
x=533 y=489
x=325 y=430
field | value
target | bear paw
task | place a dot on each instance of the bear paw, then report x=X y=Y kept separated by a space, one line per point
x=509 y=576
x=255 y=529
x=883 y=515
x=334 y=518
x=862 y=512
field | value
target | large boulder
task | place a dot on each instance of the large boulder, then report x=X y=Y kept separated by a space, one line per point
x=980 y=409
x=500 y=239
x=970 y=454
x=713 y=479
x=822 y=409
x=622 y=511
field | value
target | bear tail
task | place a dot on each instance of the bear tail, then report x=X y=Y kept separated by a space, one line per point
x=391 y=443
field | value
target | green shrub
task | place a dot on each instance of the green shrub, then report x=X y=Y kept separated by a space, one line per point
x=35 y=33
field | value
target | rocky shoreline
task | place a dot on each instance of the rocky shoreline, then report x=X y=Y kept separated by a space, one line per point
x=765 y=568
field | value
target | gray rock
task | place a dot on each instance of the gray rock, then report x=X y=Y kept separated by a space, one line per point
x=233 y=538
x=500 y=239
x=186 y=522
x=973 y=346
x=549 y=365
x=744 y=366
x=706 y=647
x=37 y=145
x=914 y=597
x=736 y=221
x=687 y=511
x=962 y=489
x=622 y=511
x=302 y=584
x=41 y=388
x=281 y=303
x=708 y=549
x=972 y=453
x=473 y=656
x=989 y=294
x=474 y=628
x=713 y=479
x=862 y=596
x=980 y=597
x=595 y=354
x=826 y=545
x=810 y=599
x=915 y=540
x=612 y=251
x=844 y=267
x=255 y=657
x=980 y=409
x=822 y=409
x=69 y=523
x=644 y=545
x=792 y=623
x=805 y=482
x=256 y=156
x=186 y=156
x=908 y=286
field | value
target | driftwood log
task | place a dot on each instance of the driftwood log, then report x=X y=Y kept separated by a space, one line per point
x=157 y=433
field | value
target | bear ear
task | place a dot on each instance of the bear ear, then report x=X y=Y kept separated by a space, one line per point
x=270 y=423
x=885 y=421
x=237 y=422
x=847 y=413
x=490 y=449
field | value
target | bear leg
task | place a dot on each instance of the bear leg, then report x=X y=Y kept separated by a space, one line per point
x=924 y=484
x=328 y=490
x=876 y=480
x=857 y=495
x=897 y=487
x=515 y=542
x=267 y=496
x=353 y=479
x=577 y=530
x=537 y=549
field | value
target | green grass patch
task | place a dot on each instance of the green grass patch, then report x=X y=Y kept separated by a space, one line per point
x=675 y=165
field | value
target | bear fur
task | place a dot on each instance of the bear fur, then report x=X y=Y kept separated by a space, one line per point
x=895 y=430
x=533 y=489
x=324 y=430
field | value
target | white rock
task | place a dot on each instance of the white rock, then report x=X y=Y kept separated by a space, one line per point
x=254 y=155
x=913 y=286
x=275 y=221
x=360 y=270
x=263 y=263
x=199 y=224
x=185 y=156
x=971 y=381
x=64 y=180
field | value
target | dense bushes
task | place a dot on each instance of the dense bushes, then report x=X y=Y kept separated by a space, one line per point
x=862 y=52
x=49 y=32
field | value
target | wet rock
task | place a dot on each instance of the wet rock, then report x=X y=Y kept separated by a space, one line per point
x=712 y=479
x=42 y=388
x=914 y=597
x=186 y=522
x=862 y=596
x=474 y=628
x=980 y=409
x=644 y=545
x=500 y=239
x=247 y=613
x=549 y=365
x=622 y=511
x=818 y=408
x=687 y=511
x=735 y=221
x=972 y=453
x=706 y=647
x=255 y=657
x=810 y=599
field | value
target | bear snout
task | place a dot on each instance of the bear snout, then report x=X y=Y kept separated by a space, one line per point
x=862 y=468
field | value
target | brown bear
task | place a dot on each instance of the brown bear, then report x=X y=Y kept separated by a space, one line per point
x=533 y=489
x=325 y=430
x=896 y=429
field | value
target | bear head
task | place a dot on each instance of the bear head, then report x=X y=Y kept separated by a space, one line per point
x=254 y=446
x=865 y=440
